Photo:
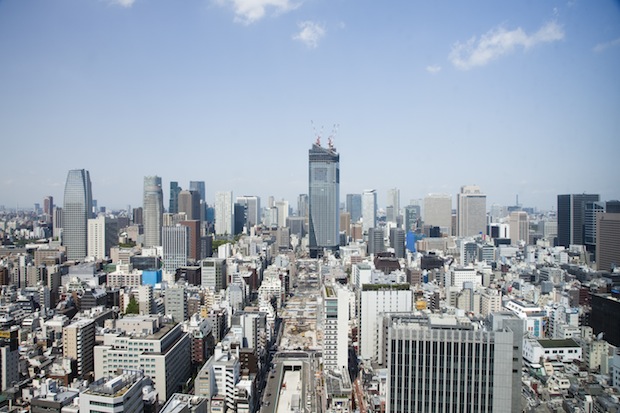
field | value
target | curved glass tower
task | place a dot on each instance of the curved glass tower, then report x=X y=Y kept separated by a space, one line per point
x=76 y=211
x=324 y=199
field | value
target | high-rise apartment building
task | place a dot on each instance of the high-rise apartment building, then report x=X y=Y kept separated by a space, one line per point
x=77 y=209
x=392 y=206
x=189 y=203
x=608 y=241
x=354 y=206
x=519 y=223
x=224 y=218
x=251 y=204
x=471 y=205
x=173 y=205
x=153 y=209
x=102 y=235
x=446 y=364
x=369 y=210
x=438 y=212
x=175 y=243
x=589 y=225
x=336 y=328
x=324 y=198
x=78 y=340
x=571 y=218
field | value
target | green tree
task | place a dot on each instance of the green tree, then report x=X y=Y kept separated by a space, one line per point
x=132 y=307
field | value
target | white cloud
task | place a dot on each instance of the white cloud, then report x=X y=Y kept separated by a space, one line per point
x=498 y=42
x=604 y=46
x=310 y=33
x=433 y=69
x=250 y=11
x=123 y=3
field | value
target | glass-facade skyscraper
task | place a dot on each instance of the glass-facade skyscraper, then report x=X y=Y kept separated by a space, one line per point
x=153 y=209
x=324 y=198
x=76 y=211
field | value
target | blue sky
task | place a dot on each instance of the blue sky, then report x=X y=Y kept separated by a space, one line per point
x=516 y=97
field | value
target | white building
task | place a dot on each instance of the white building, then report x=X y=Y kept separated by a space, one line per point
x=438 y=212
x=175 y=243
x=145 y=343
x=369 y=210
x=537 y=351
x=335 y=328
x=224 y=213
x=115 y=395
x=374 y=301
x=219 y=376
x=461 y=275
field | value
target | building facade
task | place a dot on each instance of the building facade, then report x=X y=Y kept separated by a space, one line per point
x=152 y=210
x=76 y=211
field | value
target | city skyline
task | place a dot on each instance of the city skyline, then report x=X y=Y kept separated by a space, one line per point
x=427 y=98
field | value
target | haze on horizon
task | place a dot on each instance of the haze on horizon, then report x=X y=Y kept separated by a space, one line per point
x=517 y=98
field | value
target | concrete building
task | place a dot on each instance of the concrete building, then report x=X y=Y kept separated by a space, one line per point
x=102 y=235
x=571 y=218
x=438 y=212
x=213 y=273
x=354 y=206
x=252 y=208
x=392 y=206
x=519 y=227
x=175 y=247
x=335 y=328
x=369 y=210
x=78 y=340
x=153 y=209
x=224 y=218
x=119 y=394
x=471 y=211
x=146 y=343
x=189 y=203
x=176 y=303
x=445 y=363
x=608 y=241
x=219 y=376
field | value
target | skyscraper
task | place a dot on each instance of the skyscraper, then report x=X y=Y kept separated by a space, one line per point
x=153 y=208
x=519 y=227
x=173 y=206
x=324 y=198
x=76 y=212
x=608 y=241
x=302 y=205
x=189 y=203
x=354 y=206
x=392 y=206
x=102 y=235
x=224 y=213
x=438 y=212
x=571 y=218
x=252 y=209
x=199 y=186
x=48 y=205
x=175 y=243
x=471 y=205
x=369 y=210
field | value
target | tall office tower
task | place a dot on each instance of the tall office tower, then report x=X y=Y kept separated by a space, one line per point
x=589 y=227
x=324 y=198
x=57 y=222
x=374 y=301
x=173 y=205
x=282 y=207
x=239 y=218
x=471 y=206
x=189 y=203
x=175 y=243
x=376 y=243
x=252 y=209
x=193 y=227
x=571 y=218
x=224 y=213
x=608 y=241
x=75 y=213
x=176 y=303
x=213 y=273
x=335 y=328
x=612 y=207
x=199 y=186
x=519 y=227
x=445 y=364
x=369 y=210
x=392 y=206
x=397 y=241
x=412 y=215
x=78 y=340
x=302 y=205
x=438 y=212
x=48 y=205
x=354 y=206
x=137 y=216
x=345 y=223
x=102 y=235
x=153 y=209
